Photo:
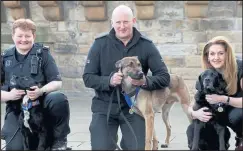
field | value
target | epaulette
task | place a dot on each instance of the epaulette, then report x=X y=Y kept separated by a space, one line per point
x=144 y=37
x=46 y=48
x=102 y=35
x=8 y=52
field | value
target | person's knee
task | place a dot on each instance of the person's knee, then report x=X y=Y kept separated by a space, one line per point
x=14 y=141
x=54 y=98
x=235 y=117
x=56 y=103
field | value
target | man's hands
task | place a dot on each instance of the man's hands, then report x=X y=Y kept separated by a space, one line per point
x=35 y=93
x=16 y=94
x=116 y=79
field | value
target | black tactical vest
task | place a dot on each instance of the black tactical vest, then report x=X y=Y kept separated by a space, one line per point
x=14 y=69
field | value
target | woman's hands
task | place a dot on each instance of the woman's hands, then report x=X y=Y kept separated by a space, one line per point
x=214 y=98
x=202 y=114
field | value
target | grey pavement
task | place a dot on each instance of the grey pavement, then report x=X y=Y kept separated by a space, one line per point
x=79 y=138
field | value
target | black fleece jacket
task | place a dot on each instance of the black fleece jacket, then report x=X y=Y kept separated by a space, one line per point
x=106 y=51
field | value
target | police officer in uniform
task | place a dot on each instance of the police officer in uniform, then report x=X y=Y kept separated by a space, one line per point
x=33 y=60
x=100 y=74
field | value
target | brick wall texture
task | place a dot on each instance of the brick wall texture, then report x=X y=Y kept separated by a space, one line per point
x=178 y=28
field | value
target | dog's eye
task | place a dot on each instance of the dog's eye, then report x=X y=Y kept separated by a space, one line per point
x=130 y=64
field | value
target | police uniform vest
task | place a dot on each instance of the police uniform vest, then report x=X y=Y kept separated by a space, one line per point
x=14 y=68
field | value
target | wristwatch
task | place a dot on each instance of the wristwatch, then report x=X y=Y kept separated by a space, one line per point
x=43 y=91
x=228 y=100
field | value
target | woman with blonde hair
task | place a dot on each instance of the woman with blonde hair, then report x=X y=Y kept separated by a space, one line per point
x=218 y=54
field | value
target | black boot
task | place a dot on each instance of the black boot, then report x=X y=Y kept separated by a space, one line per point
x=239 y=143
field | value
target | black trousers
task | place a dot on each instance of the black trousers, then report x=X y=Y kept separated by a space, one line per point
x=101 y=134
x=57 y=114
x=209 y=138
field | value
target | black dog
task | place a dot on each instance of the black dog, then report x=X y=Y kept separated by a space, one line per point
x=210 y=82
x=31 y=118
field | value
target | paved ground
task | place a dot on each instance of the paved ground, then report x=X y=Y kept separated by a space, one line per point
x=79 y=138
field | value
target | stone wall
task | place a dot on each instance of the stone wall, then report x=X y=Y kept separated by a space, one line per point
x=178 y=28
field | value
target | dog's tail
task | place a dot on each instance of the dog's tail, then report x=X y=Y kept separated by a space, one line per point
x=184 y=95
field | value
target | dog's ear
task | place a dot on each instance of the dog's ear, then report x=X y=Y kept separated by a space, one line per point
x=118 y=64
x=199 y=85
x=221 y=83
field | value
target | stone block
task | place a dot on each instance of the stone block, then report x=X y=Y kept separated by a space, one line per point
x=65 y=48
x=53 y=13
x=12 y=4
x=238 y=24
x=92 y=3
x=196 y=11
x=85 y=26
x=48 y=3
x=233 y=36
x=171 y=10
x=144 y=3
x=100 y=27
x=71 y=71
x=194 y=37
x=169 y=37
x=77 y=13
x=174 y=61
x=145 y=12
x=86 y=38
x=6 y=38
x=217 y=24
x=187 y=73
x=84 y=49
x=18 y=13
x=95 y=13
x=193 y=61
x=19 y=9
x=61 y=26
x=5 y=28
x=52 y=10
x=177 y=49
x=187 y=24
x=221 y=9
x=71 y=59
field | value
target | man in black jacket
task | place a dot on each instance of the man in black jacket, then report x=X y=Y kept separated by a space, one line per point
x=100 y=74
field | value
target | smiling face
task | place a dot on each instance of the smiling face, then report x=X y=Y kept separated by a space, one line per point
x=122 y=22
x=217 y=56
x=23 y=39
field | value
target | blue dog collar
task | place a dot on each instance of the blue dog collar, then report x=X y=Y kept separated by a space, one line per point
x=30 y=105
x=131 y=103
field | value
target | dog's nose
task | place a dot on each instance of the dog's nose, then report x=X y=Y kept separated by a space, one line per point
x=140 y=74
x=207 y=80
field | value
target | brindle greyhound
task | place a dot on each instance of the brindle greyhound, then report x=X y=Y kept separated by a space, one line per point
x=150 y=102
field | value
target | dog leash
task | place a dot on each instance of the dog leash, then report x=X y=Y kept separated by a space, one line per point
x=127 y=122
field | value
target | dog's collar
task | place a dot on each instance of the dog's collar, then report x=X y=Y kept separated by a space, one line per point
x=30 y=104
x=131 y=103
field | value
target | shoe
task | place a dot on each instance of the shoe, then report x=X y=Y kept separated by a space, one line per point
x=60 y=144
x=239 y=143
